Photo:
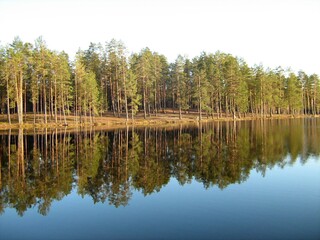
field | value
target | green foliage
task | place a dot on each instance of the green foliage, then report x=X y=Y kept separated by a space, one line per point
x=132 y=92
x=103 y=78
x=92 y=91
x=293 y=93
x=180 y=83
x=87 y=92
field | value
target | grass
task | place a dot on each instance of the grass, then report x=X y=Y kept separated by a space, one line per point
x=110 y=121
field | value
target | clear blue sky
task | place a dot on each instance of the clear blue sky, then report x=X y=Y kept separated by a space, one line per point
x=271 y=32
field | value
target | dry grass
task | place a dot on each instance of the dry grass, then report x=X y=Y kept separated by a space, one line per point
x=109 y=121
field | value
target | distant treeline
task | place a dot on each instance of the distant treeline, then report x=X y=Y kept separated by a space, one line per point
x=104 y=78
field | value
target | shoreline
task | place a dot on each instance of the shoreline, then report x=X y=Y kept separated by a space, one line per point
x=111 y=122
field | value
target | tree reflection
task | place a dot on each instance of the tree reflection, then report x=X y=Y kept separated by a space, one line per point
x=39 y=168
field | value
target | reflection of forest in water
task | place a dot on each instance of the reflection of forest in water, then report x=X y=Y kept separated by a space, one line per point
x=109 y=165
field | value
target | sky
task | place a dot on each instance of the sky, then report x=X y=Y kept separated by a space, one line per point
x=270 y=32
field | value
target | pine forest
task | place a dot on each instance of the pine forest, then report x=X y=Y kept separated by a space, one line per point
x=105 y=80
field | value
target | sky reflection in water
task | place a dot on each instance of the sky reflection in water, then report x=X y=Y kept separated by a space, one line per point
x=270 y=190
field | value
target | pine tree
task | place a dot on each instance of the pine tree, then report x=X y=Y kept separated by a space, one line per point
x=18 y=57
x=141 y=66
x=134 y=98
x=180 y=87
x=79 y=85
x=293 y=93
x=201 y=96
x=91 y=95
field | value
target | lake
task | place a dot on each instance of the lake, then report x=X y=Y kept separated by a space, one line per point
x=231 y=180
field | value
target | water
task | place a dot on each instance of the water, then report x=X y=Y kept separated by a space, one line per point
x=248 y=180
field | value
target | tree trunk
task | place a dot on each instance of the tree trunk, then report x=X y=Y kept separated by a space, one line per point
x=118 y=100
x=76 y=100
x=112 y=97
x=19 y=80
x=25 y=102
x=8 y=100
x=55 y=101
x=125 y=98
x=34 y=111
x=45 y=102
x=144 y=100
x=51 y=107
x=132 y=113
x=155 y=92
x=220 y=105
x=227 y=109
x=200 y=99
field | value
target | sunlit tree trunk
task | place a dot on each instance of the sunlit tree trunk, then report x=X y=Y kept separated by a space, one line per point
x=19 y=99
x=200 y=99
x=125 y=92
x=8 y=94
x=144 y=100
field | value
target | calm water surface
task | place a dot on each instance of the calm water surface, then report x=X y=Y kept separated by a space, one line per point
x=244 y=180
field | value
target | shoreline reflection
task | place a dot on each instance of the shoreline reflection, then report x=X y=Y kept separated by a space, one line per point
x=108 y=166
